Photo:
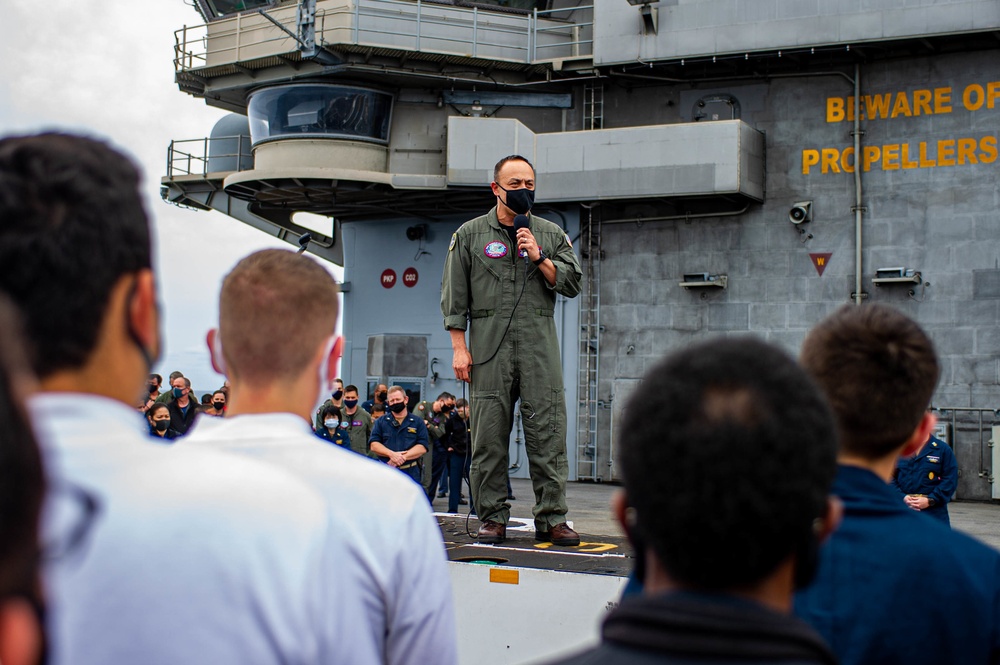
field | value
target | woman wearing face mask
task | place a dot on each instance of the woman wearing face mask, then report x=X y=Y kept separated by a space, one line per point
x=331 y=430
x=217 y=406
x=159 y=423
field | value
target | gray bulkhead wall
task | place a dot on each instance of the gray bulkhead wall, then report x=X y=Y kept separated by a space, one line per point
x=372 y=247
x=690 y=28
x=929 y=208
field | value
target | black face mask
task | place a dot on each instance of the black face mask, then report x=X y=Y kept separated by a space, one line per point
x=338 y=394
x=446 y=408
x=383 y=396
x=398 y=407
x=519 y=200
x=350 y=403
x=219 y=406
x=161 y=425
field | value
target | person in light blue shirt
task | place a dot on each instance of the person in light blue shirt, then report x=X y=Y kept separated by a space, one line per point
x=893 y=587
x=153 y=554
x=386 y=576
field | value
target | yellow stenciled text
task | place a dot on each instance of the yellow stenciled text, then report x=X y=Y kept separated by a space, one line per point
x=902 y=156
x=914 y=103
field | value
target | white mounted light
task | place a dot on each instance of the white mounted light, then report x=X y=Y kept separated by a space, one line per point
x=800 y=213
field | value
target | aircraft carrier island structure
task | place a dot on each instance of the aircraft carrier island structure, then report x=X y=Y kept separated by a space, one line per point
x=722 y=167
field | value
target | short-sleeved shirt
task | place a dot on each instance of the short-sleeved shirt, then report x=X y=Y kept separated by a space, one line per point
x=399 y=436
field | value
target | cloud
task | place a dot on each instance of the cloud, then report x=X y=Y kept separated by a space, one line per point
x=106 y=69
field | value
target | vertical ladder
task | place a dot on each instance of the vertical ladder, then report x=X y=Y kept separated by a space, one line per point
x=589 y=360
x=593 y=106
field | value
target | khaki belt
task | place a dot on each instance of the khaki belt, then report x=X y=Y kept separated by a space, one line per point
x=408 y=465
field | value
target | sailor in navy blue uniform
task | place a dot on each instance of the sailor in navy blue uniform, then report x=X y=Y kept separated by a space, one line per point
x=928 y=479
x=400 y=438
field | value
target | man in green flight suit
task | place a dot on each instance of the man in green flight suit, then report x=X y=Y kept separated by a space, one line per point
x=507 y=303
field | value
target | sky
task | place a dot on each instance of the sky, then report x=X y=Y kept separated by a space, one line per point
x=106 y=69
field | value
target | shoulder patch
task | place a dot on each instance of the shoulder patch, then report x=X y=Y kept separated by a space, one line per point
x=568 y=241
x=454 y=240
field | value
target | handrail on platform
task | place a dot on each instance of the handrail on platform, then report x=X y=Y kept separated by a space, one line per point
x=408 y=25
x=187 y=157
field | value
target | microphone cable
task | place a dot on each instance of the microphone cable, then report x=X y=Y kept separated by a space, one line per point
x=513 y=310
x=468 y=516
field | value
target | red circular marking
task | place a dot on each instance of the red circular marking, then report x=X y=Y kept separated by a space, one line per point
x=388 y=278
x=410 y=277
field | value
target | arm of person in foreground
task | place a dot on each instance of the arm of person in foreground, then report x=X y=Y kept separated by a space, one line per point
x=421 y=620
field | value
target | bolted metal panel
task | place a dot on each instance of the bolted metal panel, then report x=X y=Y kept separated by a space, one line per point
x=397 y=355
x=684 y=159
x=476 y=144
x=709 y=27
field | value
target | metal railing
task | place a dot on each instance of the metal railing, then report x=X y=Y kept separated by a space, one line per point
x=974 y=420
x=188 y=157
x=408 y=25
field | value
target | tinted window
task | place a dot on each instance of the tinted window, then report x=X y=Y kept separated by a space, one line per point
x=326 y=110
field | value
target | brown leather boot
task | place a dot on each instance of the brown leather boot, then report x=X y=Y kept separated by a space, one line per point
x=493 y=533
x=560 y=534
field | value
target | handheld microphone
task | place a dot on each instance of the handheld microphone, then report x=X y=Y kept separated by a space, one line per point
x=521 y=222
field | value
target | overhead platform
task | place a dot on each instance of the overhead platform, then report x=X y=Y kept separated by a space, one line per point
x=698 y=159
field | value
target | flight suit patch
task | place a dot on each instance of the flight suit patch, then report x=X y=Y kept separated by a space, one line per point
x=454 y=240
x=495 y=250
x=568 y=241
x=411 y=430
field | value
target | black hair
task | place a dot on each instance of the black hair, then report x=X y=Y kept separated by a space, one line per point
x=509 y=158
x=330 y=410
x=446 y=396
x=22 y=480
x=159 y=379
x=157 y=406
x=71 y=219
x=731 y=466
x=350 y=387
x=879 y=370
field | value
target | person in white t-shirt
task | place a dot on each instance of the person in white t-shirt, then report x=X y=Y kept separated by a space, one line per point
x=278 y=350
x=155 y=554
